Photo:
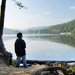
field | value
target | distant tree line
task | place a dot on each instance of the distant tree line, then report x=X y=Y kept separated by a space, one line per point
x=56 y=29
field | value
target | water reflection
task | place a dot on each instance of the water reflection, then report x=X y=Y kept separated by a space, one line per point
x=64 y=39
x=8 y=37
x=45 y=47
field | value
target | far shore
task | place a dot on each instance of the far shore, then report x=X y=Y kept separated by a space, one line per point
x=66 y=33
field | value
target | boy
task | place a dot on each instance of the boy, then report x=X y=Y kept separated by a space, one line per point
x=20 y=51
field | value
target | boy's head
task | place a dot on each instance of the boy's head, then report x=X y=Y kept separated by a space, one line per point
x=19 y=35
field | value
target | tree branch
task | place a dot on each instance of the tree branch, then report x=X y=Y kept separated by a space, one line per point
x=19 y=4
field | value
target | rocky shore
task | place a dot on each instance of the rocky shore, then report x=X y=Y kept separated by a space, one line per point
x=12 y=70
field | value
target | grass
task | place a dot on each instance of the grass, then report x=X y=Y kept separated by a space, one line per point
x=72 y=67
x=13 y=62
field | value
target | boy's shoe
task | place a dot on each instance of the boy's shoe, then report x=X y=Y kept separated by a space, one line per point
x=25 y=66
x=29 y=64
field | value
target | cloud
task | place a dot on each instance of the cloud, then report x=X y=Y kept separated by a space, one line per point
x=57 y=54
x=47 y=54
x=72 y=58
x=23 y=16
x=46 y=13
x=34 y=16
x=72 y=7
x=67 y=19
x=27 y=16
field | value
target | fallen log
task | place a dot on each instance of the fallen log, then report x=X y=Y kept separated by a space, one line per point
x=51 y=69
x=44 y=62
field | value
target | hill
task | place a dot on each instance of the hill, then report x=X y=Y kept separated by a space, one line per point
x=56 y=29
x=10 y=31
x=36 y=28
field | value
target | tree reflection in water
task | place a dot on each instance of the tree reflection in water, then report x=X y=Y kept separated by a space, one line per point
x=64 y=39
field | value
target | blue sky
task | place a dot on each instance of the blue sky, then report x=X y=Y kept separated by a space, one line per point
x=38 y=13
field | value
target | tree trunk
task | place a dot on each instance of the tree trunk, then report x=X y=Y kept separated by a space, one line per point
x=3 y=53
x=2 y=17
x=50 y=71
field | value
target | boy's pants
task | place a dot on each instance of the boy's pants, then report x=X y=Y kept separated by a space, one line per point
x=19 y=59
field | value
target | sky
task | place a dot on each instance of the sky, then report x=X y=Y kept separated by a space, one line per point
x=38 y=13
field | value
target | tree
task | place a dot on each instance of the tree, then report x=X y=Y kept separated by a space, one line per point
x=4 y=55
x=2 y=48
x=19 y=4
x=73 y=31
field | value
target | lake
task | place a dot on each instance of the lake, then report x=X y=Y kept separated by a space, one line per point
x=44 y=46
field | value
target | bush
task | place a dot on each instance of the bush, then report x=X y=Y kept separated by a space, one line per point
x=72 y=67
x=13 y=62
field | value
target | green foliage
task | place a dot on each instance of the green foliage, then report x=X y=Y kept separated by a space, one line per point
x=72 y=67
x=13 y=62
x=73 y=31
x=55 y=32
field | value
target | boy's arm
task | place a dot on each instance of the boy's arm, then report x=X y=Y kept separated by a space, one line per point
x=24 y=46
x=15 y=48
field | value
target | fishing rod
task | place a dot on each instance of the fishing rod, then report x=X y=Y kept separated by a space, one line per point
x=31 y=40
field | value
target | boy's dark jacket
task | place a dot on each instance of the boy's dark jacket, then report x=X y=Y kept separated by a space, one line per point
x=20 y=46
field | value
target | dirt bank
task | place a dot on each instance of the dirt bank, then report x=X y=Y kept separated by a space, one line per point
x=11 y=70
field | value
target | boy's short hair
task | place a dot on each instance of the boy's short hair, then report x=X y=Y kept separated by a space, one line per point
x=19 y=35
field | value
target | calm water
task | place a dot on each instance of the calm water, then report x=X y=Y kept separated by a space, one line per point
x=44 y=47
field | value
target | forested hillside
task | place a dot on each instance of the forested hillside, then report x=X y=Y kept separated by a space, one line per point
x=56 y=29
